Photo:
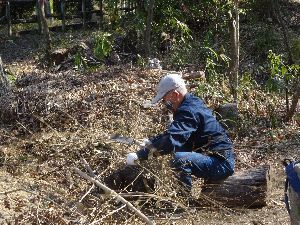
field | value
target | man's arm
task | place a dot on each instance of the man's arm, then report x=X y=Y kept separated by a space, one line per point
x=178 y=133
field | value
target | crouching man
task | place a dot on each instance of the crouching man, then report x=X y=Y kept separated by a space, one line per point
x=197 y=141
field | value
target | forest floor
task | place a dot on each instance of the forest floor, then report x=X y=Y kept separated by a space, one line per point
x=64 y=115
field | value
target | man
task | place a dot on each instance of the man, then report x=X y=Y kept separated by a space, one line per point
x=200 y=146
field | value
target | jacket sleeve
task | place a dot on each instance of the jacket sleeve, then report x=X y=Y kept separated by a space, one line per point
x=180 y=130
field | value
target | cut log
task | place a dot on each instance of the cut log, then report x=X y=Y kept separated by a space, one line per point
x=248 y=188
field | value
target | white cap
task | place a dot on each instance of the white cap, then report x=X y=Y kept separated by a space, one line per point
x=169 y=82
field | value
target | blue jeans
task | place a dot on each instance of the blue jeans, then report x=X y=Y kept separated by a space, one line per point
x=210 y=168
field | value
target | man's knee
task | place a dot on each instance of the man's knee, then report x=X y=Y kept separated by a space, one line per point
x=180 y=159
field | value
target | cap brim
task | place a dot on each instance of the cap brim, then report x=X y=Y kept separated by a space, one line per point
x=157 y=98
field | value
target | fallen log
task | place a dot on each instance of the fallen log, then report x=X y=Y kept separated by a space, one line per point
x=247 y=188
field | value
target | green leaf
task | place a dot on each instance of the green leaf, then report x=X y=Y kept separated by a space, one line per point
x=283 y=70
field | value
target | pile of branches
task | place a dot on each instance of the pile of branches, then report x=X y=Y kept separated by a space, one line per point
x=69 y=100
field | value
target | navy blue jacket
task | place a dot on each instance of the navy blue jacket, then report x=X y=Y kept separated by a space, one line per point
x=194 y=129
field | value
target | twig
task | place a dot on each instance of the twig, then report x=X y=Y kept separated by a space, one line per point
x=37 y=212
x=24 y=127
x=47 y=124
x=113 y=193
x=88 y=168
x=91 y=188
x=112 y=212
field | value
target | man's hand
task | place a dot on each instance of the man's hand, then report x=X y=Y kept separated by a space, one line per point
x=145 y=143
x=131 y=158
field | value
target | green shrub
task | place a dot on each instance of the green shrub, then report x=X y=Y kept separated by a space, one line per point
x=103 y=45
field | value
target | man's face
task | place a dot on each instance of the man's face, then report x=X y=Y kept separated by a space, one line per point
x=171 y=100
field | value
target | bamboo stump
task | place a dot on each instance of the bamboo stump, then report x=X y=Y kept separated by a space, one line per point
x=247 y=188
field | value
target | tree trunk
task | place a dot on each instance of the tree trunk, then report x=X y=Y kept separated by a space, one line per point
x=4 y=84
x=41 y=8
x=294 y=104
x=63 y=15
x=83 y=9
x=147 y=38
x=101 y=14
x=234 y=63
x=248 y=188
x=7 y=106
x=38 y=15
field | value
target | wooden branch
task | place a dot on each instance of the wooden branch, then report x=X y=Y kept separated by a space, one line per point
x=113 y=193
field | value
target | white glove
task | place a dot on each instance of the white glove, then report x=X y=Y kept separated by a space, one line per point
x=145 y=143
x=131 y=158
